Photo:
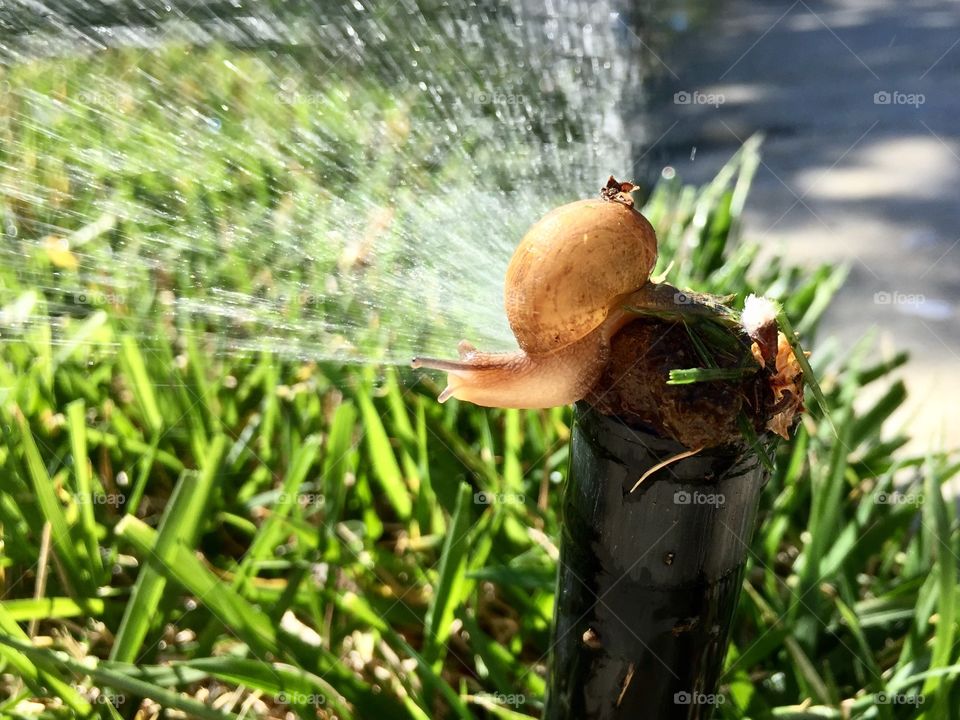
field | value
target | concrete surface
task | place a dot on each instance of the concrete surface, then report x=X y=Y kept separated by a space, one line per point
x=859 y=101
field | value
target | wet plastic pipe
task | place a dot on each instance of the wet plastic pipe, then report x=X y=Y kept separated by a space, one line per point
x=648 y=580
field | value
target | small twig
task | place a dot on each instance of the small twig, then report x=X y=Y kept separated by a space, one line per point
x=664 y=463
x=40 y=588
x=662 y=276
x=626 y=683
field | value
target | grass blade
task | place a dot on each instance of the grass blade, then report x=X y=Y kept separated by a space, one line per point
x=178 y=530
x=43 y=489
x=384 y=463
x=81 y=470
x=453 y=562
x=140 y=380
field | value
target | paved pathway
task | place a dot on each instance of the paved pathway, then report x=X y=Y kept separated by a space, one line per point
x=860 y=103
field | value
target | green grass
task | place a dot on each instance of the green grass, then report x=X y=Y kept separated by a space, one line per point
x=247 y=533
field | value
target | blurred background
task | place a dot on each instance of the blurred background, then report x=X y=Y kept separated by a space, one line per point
x=856 y=101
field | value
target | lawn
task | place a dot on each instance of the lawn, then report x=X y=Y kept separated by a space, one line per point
x=201 y=513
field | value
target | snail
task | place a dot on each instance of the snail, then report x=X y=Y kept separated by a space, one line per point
x=567 y=289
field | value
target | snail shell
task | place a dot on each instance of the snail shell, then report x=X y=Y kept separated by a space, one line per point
x=565 y=290
x=570 y=267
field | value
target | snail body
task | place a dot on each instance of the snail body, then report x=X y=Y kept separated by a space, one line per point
x=565 y=290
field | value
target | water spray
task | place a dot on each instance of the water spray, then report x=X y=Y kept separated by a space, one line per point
x=677 y=397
